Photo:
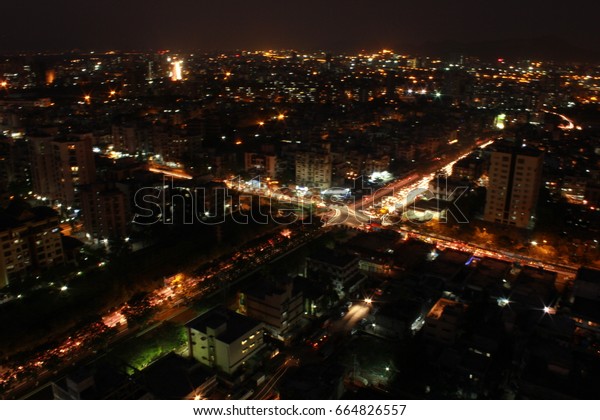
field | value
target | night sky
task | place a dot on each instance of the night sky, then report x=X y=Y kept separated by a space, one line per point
x=336 y=25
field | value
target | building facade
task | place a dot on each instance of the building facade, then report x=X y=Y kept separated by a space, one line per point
x=224 y=340
x=60 y=166
x=30 y=241
x=313 y=169
x=279 y=306
x=259 y=164
x=106 y=212
x=514 y=185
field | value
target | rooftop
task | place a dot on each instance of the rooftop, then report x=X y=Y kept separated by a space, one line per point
x=263 y=288
x=504 y=146
x=445 y=306
x=236 y=325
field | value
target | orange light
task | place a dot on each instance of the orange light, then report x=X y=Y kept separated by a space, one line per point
x=238 y=142
x=281 y=117
x=261 y=123
x=87 y=98
x=113 y=92
x=4 y=83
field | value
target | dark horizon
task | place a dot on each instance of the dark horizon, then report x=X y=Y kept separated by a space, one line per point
x=432 y=28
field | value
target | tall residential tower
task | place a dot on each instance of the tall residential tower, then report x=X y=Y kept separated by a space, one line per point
x=514 y=185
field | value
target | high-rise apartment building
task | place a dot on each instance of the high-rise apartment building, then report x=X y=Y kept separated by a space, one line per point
x=60 y=166
x=313 y=169
x=514 y=185
x=105 y=210
x=29 y=239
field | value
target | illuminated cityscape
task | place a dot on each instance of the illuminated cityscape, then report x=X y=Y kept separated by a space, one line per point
x=233 y=223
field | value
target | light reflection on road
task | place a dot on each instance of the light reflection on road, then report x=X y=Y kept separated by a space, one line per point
x=355 y=314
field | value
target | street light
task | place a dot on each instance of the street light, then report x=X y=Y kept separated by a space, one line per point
x=368 y=301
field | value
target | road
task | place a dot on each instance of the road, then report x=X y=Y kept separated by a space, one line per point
x=569 y=123
x=350 y=320
x=565 y=273
x=174 y=300
x=265 y=391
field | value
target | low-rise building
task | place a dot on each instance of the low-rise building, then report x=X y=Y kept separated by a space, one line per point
x=260 y=164
x=224 y=340
x=444 y=321
x=341 y=269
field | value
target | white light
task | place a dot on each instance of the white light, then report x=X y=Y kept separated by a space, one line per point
x=177 y=71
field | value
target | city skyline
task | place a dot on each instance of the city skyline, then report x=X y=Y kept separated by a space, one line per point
x=511 y=28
